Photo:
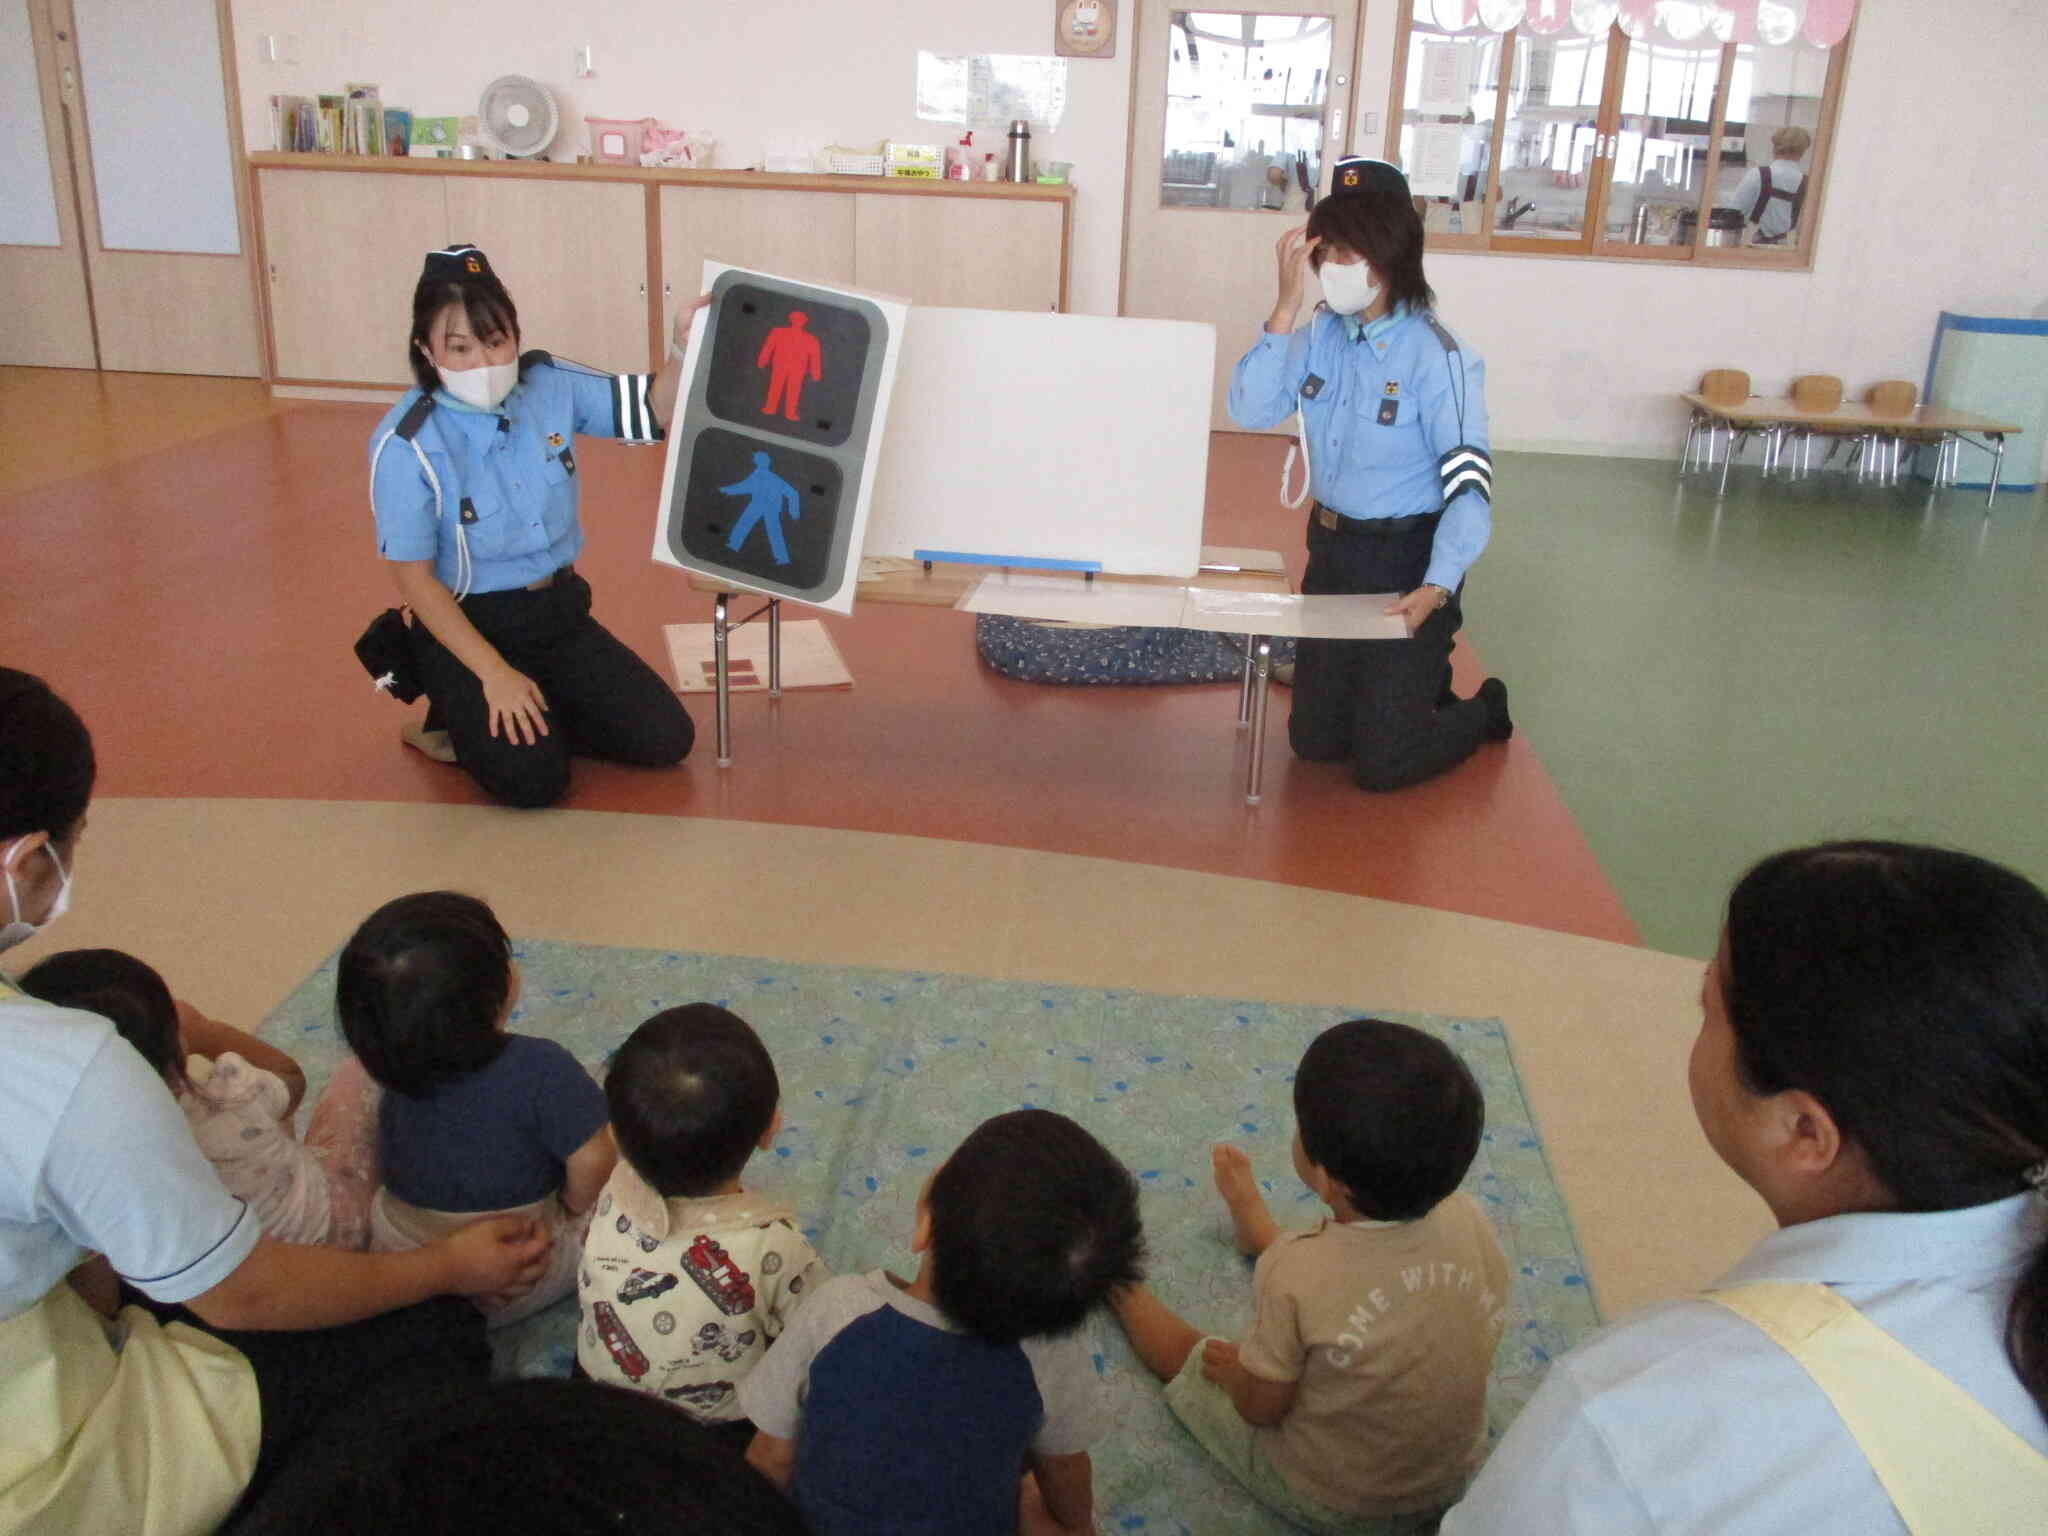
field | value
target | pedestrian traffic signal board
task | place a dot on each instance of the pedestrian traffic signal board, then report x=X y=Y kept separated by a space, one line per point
x=781 y=411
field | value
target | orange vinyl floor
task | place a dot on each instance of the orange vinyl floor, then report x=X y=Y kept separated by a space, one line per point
x=190 y=562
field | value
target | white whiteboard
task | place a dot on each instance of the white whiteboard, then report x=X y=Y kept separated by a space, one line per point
x=28 y=203
x=1017 y=436
x=156 y=109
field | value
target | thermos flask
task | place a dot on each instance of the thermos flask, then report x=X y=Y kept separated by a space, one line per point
x=1020 y=149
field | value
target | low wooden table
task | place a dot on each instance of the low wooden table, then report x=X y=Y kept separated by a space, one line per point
x=1774 y=416
x=943 y=586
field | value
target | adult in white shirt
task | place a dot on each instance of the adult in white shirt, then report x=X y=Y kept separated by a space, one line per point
x=1772 y=197
x=1874 y=1063
x=112 y=1419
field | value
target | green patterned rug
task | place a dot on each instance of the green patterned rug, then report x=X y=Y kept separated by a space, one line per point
x=883 y=1072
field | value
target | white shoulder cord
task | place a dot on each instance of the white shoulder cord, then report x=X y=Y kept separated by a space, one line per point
x=1287 y=469
x=464 y=573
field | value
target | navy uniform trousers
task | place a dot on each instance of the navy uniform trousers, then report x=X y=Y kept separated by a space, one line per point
x=602 y=699
x=1385 y=705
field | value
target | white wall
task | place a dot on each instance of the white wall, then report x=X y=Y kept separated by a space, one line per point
x=1935 y=199
x=745 y=72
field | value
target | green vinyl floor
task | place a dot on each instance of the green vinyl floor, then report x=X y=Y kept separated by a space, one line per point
x=1707 y=682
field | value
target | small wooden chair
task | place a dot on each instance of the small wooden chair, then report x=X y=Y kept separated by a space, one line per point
x=1720 y=386
x=1818 y=393
x=1889 y=400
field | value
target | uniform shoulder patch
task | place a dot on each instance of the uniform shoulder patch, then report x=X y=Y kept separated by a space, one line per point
x=1443 y=335
x=415 y=417
x=533 y=359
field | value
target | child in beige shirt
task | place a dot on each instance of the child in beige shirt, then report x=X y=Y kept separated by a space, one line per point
x=1356 y=1402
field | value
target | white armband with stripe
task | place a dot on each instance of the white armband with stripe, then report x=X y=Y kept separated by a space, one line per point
x=632 y=416
x=1466 y=468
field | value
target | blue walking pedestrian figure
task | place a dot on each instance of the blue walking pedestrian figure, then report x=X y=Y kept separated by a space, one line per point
x=769 y=497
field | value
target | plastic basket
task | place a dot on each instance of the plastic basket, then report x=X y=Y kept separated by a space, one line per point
x=614 y=142
x=840 y=164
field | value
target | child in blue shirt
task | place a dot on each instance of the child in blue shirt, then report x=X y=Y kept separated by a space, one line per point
x=474 y=1119
x=914 y=1407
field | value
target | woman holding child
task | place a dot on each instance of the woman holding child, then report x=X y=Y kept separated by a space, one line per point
x=116 y=1418
x=1873 y=1062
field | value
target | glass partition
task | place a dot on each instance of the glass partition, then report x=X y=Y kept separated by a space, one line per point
x=1452 y=83
x=1660 y=158
x=1551 y=135
x=1245 y=99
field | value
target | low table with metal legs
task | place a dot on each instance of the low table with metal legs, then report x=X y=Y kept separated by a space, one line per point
x=944 y=587
x=1878 y=439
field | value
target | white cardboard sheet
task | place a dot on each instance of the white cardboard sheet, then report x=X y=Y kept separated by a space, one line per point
x=1221 y=610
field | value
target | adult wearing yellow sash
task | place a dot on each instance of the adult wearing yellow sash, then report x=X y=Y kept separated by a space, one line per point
x=1873 y=1061
x=111 y=1417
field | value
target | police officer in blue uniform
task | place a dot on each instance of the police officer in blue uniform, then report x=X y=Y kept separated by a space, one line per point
x=1393 y=423
x=474 y=482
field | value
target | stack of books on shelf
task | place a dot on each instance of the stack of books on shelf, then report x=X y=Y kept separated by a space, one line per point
x=356 y=122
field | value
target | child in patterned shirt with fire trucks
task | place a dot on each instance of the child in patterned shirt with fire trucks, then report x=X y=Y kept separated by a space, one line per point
x=686 y=1277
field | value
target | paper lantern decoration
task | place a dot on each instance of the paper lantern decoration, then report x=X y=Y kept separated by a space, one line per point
x=1682 y=21
x=1637 y=18
x=1454 y=15
x=1544 y=17
x=1778 y=21
x=1501 y=15
x=1734 y=21
x=1592 y=18
x=1827 y=21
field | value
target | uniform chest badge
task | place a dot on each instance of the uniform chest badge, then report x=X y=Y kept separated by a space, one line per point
x=1393 y=387
x=554 y=439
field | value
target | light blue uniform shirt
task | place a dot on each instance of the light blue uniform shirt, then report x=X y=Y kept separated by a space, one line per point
x=96 y=1157
x=1686 y=1419
x=514 y=467
x=1392 y=404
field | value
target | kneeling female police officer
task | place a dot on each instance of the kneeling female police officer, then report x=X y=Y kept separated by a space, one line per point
x=1394 y=425
x=474 y=482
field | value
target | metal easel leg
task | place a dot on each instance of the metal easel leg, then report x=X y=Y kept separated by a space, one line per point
x=774 y=647
x=1262 y=649
x=1244 y=686
x=722 y=679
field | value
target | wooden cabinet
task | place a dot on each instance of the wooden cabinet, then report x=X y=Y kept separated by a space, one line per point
x=806 y=235
x=573 y=255
x=580 y=248
x=965 y=255
x=341 y=253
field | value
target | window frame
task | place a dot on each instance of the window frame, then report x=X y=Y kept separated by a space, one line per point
x=1593 y=242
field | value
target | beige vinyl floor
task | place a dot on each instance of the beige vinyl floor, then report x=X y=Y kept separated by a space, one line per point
x=237 y=900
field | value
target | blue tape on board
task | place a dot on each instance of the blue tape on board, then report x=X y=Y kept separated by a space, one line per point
x=1015 y=562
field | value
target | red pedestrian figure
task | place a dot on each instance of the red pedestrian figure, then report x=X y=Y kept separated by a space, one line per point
x=791 y=354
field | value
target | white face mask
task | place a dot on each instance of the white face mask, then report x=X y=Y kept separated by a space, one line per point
x=481 y=387
x=20 y=929
x=1348 y=288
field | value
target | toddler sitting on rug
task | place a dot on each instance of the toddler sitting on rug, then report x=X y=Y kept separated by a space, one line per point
x=1356 y=1402
x=238 y=1095
x=892 y=1406
x=687 y=1277
x=474 y=1120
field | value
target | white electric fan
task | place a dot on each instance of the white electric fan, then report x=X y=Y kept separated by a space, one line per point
x=517 y=117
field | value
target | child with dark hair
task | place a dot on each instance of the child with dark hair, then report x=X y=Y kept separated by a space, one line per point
x=1356 y=1402
x=687 y=1277
x=238 y=1094
x=894 y=1405
x=474 y=1120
